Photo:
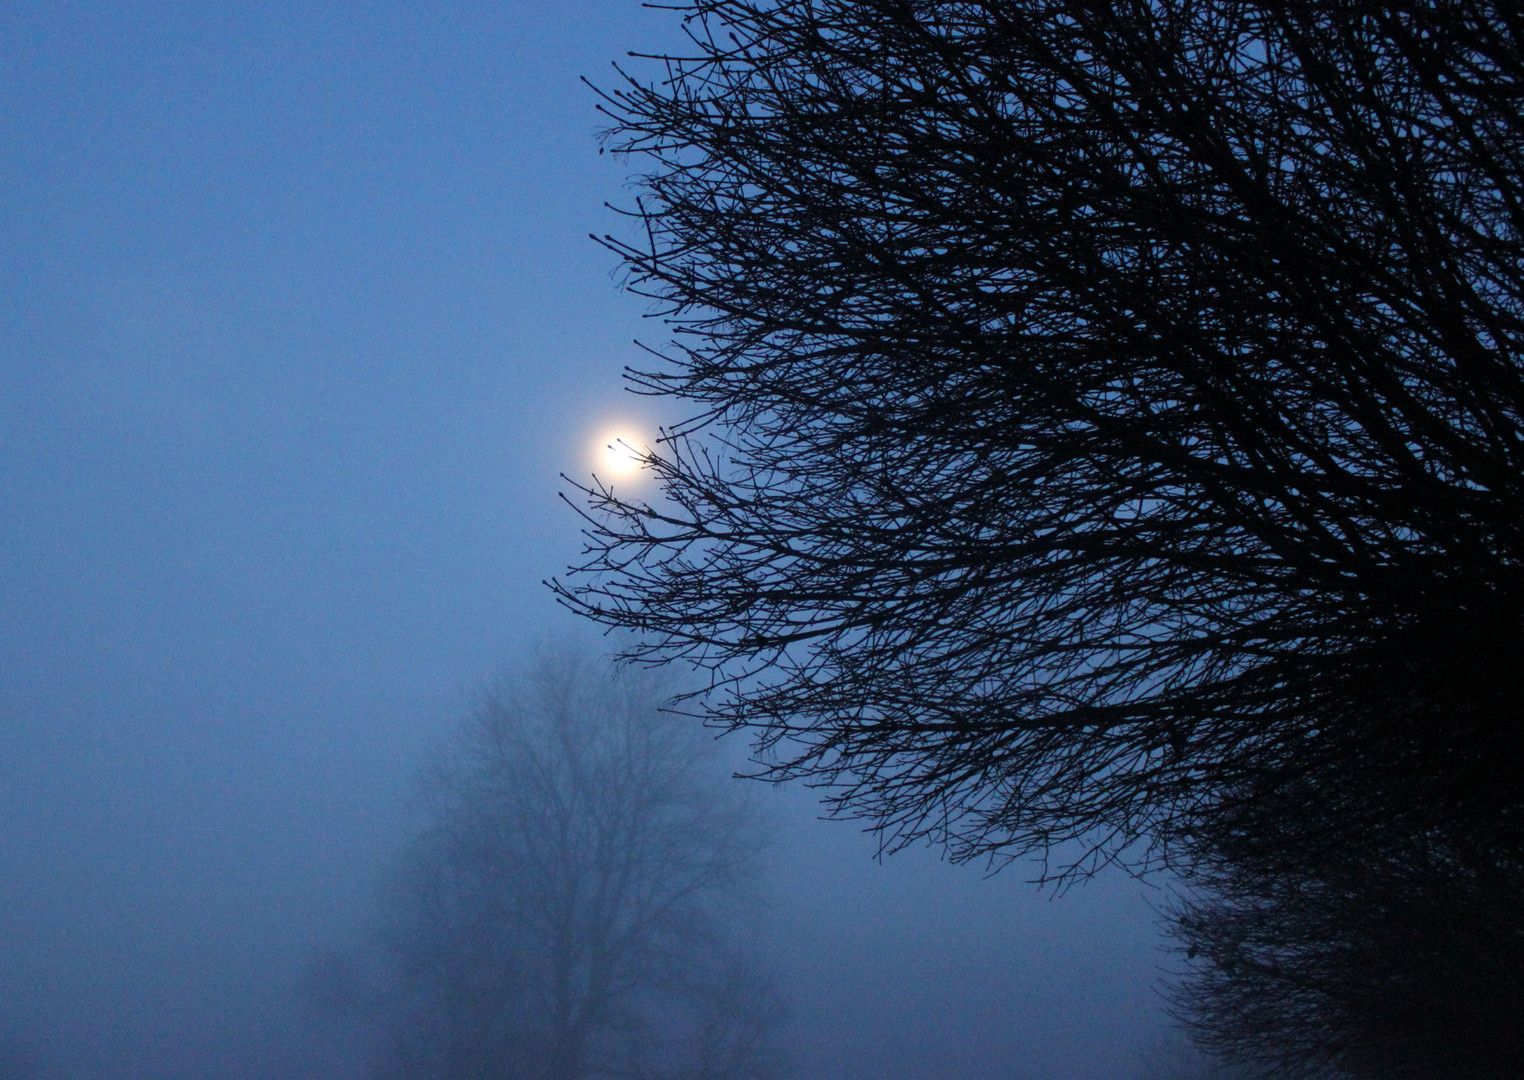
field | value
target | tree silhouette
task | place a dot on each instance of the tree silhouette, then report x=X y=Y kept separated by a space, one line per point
x=1088 y=410
x=576 y=907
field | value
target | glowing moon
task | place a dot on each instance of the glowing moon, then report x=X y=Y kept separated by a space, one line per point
x=618 y=455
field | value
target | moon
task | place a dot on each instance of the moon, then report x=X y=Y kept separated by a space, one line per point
x=618 y=454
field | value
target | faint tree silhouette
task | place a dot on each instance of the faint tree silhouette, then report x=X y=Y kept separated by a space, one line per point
x=576 y=908
x=1092 y=409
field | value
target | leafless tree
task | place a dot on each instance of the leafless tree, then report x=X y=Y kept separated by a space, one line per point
x=577 y=907
x=1087 y=409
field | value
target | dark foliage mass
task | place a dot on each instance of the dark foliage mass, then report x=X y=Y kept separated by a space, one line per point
x=1096 y=413
x=1387 y=949
x=577 y=906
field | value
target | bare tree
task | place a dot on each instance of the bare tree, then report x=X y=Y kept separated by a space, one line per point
x=577 y=906
x=1090 y=408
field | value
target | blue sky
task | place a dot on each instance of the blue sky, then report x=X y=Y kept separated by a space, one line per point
x=299 y=324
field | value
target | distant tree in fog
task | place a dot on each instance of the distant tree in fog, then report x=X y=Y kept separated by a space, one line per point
x=577 y=906
x=1081 y=407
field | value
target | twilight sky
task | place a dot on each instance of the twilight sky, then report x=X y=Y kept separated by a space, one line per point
x=299 y=323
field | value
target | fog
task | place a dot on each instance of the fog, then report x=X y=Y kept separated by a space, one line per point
x=299 y=327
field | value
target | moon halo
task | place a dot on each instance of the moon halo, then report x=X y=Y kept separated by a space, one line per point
x=618 y=454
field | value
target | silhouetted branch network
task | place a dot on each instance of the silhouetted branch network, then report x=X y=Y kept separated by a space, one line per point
x=1092 y=408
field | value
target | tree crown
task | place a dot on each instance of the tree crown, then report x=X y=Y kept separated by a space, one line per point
x=1092 y=409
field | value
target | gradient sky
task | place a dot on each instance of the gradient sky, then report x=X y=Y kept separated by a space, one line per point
x=299 y=323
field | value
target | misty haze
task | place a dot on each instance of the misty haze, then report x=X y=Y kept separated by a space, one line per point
x=1057 y=730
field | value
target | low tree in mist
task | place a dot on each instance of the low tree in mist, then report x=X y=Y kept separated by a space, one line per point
x=580 y=903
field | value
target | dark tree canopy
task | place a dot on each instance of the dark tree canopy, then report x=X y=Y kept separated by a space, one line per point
x=1393 y=951
x=1091 y=409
